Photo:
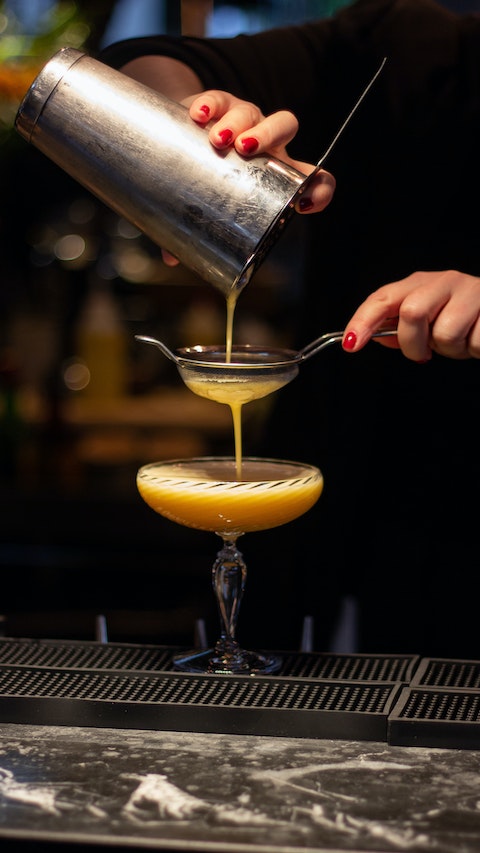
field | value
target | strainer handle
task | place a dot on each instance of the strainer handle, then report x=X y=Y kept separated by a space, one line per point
x=146 y=339
x=331 y=338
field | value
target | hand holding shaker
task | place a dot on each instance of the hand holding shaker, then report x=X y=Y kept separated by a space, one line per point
x=142 y=155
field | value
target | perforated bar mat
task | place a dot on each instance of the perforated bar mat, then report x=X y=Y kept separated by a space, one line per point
x=440 y=707
x=169 y=701
x=445 y=672
x=136 y=686
x=401 y=699
x=428 y=716
x=77 y=655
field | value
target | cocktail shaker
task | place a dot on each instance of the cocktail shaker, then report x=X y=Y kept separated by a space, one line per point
x=143 y=156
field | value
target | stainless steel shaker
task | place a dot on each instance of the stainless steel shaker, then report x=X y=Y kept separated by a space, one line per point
x=142 y=155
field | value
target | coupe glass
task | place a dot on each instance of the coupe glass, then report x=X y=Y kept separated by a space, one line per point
x=206 y=493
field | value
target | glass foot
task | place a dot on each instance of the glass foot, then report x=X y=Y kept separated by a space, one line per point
x=238 y=662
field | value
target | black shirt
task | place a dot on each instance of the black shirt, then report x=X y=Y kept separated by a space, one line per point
x=398 y=442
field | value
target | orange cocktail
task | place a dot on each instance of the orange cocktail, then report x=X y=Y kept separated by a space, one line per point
x=206 y=494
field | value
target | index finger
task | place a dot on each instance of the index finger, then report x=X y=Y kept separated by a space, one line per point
x=379 y=311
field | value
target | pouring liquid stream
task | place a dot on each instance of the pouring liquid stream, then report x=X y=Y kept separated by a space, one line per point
x=233 y=394
x=256 y=391
x=237 y=393
x=255 y=373
x=235 y=407
x=248 y=380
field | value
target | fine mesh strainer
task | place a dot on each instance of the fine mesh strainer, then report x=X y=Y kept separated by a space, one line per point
x=252 y=371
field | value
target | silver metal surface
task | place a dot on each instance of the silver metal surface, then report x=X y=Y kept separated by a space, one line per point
x=262 y=369
x=142 y=155
x=248 y=357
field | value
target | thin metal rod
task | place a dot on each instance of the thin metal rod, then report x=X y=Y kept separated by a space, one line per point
x=351 y=113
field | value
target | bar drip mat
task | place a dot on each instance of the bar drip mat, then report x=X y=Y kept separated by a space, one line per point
x=440 y=707
x=77 y=654
x=400 y=699
x=317 y=695
x=264 y=705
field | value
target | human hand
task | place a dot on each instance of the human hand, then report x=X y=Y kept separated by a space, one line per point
x=243 y=125
x=433 y=312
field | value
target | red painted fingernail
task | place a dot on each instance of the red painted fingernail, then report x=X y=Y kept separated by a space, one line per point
x=226 y=135
x=305 y=203
x=349 y=341
x=204 y=109
x=249 y=145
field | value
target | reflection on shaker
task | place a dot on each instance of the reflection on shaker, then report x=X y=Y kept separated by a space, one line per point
x=142 y=155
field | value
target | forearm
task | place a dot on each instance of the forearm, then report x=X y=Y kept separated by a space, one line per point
x=166 y=75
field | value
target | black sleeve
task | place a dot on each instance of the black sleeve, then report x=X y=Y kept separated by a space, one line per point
x=267 y=68
x=317 y=69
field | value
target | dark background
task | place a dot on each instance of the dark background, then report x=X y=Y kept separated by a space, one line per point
x=75 y=538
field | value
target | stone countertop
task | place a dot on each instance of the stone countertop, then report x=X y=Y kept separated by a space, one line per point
x=218 y=792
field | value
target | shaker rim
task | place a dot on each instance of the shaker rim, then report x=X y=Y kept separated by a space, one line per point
x=43 y=86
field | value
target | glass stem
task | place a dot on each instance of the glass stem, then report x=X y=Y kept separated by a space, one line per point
x=229 y=574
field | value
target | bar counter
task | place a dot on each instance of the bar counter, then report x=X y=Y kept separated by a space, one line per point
x=105 y=745
x=208 y=792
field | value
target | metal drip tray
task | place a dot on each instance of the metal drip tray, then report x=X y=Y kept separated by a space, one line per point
x=438 y=717
x=168 y=701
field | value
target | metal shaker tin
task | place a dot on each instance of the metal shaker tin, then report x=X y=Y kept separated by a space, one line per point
x=142 y=155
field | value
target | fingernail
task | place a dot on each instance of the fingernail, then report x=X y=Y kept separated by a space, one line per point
x=305 y=203
x=204 y=109
x=422 y=361
x=226 y=136
x=349 y=341
x=249 y=145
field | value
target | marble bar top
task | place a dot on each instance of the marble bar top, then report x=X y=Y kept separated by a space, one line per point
x=137 y=789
